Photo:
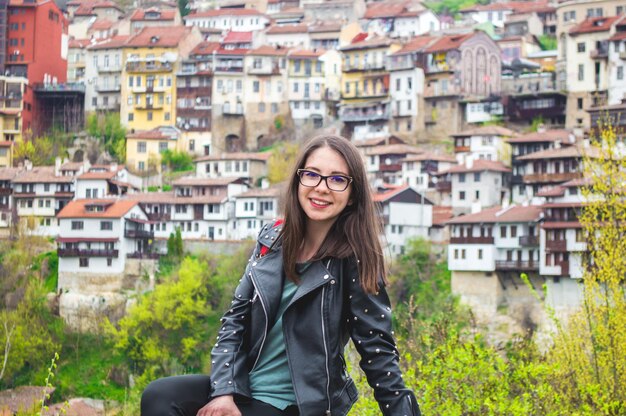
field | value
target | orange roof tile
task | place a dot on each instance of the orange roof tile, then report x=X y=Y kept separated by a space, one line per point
x=545 y=136
x=236 y=156
x=101 y=24
x=238 y=37
x=513 y=213
x=77 y=208
x=41 y=174
x=284 y=29
x=111 y=43
x=373 y=42
x=479 y=165
x=170 y=198
x=205 y=48
x=165 y=15
x=7 y=174
x=416 y=44
x=387 y=149
x=448 y=42
x=595 y=24
x=561 y=152
x=441 y=215
x=303 y=53
x=97 y=175
x=160 y=36
x=487 y=131
x=79 y=43
x=325 y=26
x=267 y=50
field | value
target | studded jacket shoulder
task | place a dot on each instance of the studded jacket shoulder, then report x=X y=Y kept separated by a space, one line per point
x=328 y=308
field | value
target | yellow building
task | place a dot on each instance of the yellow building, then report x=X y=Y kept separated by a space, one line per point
x=151 y=60
x=144 y=149
x=365 y=100
x=11 y=106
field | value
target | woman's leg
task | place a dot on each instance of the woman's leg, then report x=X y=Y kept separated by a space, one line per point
x=258 y=408
x=176 y=396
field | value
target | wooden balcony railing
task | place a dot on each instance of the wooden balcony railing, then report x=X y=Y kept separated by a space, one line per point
x=512 y=265
x=79 y=252
x=138 y=255
x=138 y=234
x=556 y=245
x=528 y=241
x=471 y=240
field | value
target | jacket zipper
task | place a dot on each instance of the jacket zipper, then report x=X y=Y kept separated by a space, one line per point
x=266 y=321
x=325 y=347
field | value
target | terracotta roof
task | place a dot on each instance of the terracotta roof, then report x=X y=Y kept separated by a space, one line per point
x=205 y=48
x=441 y=215
x=513 y=213
x=479 y=165
x=594 y=24
x=116 y=209
x=164 y=36
x=282 y=29
x=267 y=50
x=618 y=36
x=165 y=15
x=387 y=149
x=7 y=174
x=112 y=43
x=329 y=26
x=511 y=5
x=79 y=43
x=303 y=53
x=416 y=44
x=430 y=156
x=155 y=134
x=41 y=174
x=393 y=190
x=377 y=141
x=373 y=42
x=546 y=136
x=551 y=191
x=271 y=191
x=199 y=181
x=238 y=51
x=448 y=42
x=82 y=11
x=238 y=37
x=236 y=156
x=561 y=225
x=170 y=198
x=487 y=131
x=578 y=182
x=225 y=12
x=71 y=166
x=97 y=175
x=101 y=24
x=561 y=152
x=385 y=9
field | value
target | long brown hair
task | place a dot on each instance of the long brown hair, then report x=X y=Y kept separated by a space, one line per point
x=356 y=231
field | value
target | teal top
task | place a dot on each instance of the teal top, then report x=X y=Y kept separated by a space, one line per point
x=270 y=382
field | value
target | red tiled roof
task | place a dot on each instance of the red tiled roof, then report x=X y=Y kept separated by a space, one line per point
x=97 y=175
x=163 y=36
x=156 y=133
x=170 y=198
x=545 y=136
x=41 y=174
x=479 y=165
x=7 y=174
x=303 y=53
x=238 y=37
x=165 y=15
x=594 y=24
x=387 y=149
x=389 y=192
x=76 y=208
x=551 y=191
x=199 y=181
x=225 y=12
x=79 y=43
x=487 y=131
x=561 y=152
x=416 y=44
x=441 y=215
x=112 y=43
x=448 y=42
x=618 y=36
x=82 y=11
x=561 y=225
x=429 y=156
x=236 y=156
x=385 y=9
x=205 y=48
x=374 y=42
x=326 y=26
x=71 y=166
x=513 y=213
x=101 y=24
x=267 y=50
x=272 y=191
x=238 y=51
x=283 y=29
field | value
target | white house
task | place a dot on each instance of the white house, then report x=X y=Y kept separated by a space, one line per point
x=405 y=213
x=254 y=209
x=6 y=200
x=293 y=35
x=487 y=142
x=419 y=170
x=477 y=184
x=236 y=20
x=98 y=183
x=251 y=166
x=400 y=19
x=383 y=162
x=103 y=74
x=617 y=67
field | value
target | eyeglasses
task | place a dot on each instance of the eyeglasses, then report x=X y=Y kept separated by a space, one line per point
x=337 y=183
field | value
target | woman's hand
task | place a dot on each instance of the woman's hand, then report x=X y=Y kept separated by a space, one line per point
x=220 y=406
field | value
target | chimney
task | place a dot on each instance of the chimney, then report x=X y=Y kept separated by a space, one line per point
x=476 y=207
x=57 y=166
x=265 y=183
x=469 y=162
x=113 y=167
x=557 y=144
x=28 y=164
x=541 y=128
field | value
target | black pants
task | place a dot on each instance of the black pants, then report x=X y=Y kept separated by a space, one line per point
x=185 y=395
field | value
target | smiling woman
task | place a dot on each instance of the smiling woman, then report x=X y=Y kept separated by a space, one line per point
x=315 y=280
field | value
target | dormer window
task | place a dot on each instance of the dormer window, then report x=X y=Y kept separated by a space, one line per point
x=154 y=39
x=152 y=16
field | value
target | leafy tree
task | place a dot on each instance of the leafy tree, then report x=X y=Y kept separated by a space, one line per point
x=177 y=161
x=110 y=131
x=547 y=42
x=41 y=151
x=281 y=160
x=183 y=6
x=175 y=244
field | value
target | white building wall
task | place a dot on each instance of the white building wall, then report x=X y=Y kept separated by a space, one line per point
x=617 y=65
x=302 y=40
x=489 y=188
x=405 y=87
x=225 y=22
x=100 y=186
x=471 y=262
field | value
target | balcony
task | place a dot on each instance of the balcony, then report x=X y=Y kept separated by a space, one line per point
x=110 y=68
x=517 y=180
x=471 y=240
x=142 y=67
x=528 y=241
x=159 y=216
x=443 y=186
x=622 y=56
x=138 y=234
x=232 y=111
x=556 y=245
x=264 y=70
x=551 y=177
x=149 y=106
x=433 y=91
x=461 y=149
x=378 y=66
x=392 y=167
x=79 y=252
x=147 y=256
x=599 y=53
x=516 y=265
x=5 y=191
x=70 y=87
x=369 y=115
x=228 y=68
x=108 y=88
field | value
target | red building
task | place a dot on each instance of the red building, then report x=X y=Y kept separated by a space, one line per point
x=37 y=43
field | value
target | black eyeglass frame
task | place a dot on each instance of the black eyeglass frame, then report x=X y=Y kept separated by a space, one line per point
x=324 y=178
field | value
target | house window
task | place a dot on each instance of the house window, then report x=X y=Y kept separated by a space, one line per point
x=106 y=225
x=477 y=177
x=620 y=73
x=503 y=231
x=461 y=177
x=477 y=195
x=581 y=47
x=513 y=231
x=261 y=107
x=480 y=254
x=162 y=147
x=581 y=72
x=77 y=225
x=141 y=147
x=456 y=253
x=109 y=261
x=462 y=195
x=83 y=262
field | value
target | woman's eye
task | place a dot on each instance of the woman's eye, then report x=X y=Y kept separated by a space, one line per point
x=338 y=179
x=311 y=175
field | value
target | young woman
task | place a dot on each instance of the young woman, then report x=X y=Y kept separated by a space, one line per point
x=313 y=282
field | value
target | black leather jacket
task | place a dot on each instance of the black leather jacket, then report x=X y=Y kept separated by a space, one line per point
x=328 y=308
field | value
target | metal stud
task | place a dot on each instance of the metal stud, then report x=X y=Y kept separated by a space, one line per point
x=254 y=264
x=382 y=316
x=366 y=310
x=225 y=350
x=388 y=373
x=332 y=282
x=227 y=365
x=325 y=277
x=377 y=350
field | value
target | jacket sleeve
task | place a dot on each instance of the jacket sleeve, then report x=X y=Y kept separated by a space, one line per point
x=369 y=318
x=229 y=371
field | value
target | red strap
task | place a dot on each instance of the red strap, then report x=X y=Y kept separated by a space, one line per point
x=265 y=249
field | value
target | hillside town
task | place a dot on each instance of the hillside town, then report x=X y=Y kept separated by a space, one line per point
x=473 y=127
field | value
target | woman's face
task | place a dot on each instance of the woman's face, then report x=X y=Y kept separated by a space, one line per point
x=319 y=203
